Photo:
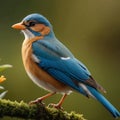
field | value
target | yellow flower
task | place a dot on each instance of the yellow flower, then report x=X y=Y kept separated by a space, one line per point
x=2 y=78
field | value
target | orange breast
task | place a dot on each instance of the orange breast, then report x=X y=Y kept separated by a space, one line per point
x=34 y=69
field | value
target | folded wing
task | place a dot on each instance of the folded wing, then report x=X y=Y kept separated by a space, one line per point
x=66 y=69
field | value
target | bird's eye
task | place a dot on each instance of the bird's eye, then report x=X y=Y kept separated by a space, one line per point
x=32 y=24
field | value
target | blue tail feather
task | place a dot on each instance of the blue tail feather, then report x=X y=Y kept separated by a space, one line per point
x=104 y=102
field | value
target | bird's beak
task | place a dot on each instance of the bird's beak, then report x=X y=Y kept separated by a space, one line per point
x=19 y=26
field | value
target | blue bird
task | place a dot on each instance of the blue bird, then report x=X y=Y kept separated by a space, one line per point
x=53 y=67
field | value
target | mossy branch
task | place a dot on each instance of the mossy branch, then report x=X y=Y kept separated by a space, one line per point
x=35 y=112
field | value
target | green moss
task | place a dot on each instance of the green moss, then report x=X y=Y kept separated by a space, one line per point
x=63 y=115
x=35 y=112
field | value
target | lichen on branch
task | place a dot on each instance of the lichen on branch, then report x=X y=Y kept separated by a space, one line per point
x=35 y=112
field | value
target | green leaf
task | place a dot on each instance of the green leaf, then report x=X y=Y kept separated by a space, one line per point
x=1 y=88
x=3 y=94
x=3 y=67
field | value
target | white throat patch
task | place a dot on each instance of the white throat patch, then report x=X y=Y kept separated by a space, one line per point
x=28 y=34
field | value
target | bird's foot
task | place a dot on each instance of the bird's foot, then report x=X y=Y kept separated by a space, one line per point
x=37 y=101
x=57 y=106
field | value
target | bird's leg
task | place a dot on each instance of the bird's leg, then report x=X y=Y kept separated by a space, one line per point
x=39 y=100
x=59 y=104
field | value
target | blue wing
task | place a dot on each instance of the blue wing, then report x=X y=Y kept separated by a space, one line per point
x=63 y=66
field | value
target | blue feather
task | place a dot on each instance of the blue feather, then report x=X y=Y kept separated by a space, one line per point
x=104 y=102
x=38 y=18
x=53 y=59
x=69 y=71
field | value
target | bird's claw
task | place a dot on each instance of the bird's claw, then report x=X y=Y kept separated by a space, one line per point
x=57 y=106
x=37 y=101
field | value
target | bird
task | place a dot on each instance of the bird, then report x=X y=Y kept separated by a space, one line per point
x=52 y=66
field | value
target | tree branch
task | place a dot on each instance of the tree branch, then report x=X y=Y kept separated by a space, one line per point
x=35 y=112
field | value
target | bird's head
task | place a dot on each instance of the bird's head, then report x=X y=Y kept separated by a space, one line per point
x=34 y=25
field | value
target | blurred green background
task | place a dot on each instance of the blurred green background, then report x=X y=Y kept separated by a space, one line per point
x=90 y=29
